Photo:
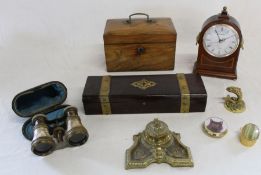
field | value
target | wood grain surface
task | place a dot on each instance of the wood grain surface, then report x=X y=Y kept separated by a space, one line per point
x=140 y=45
x=160 y=30
x=164 y=97
x=125 y=57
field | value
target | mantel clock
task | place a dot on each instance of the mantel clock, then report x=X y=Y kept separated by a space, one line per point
x=219 y=45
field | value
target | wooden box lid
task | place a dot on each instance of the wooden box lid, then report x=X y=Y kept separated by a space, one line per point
x=150 y=30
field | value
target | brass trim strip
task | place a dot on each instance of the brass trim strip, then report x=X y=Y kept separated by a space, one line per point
x=185 y=94
x=104 y=95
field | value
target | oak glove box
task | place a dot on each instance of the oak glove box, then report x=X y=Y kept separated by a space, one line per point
x=139 y=44
x=144 y=94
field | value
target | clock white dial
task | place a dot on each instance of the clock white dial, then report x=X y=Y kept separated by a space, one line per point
x=221 y=40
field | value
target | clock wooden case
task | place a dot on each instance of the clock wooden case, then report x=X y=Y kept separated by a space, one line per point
x=219 y=59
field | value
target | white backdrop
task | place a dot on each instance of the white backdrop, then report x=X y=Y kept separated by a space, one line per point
x=45 y=40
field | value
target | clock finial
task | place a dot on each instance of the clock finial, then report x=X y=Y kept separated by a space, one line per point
x=224 y=11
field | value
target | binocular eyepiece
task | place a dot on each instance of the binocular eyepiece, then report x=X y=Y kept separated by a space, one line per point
x=75 y=134
x=42 y=143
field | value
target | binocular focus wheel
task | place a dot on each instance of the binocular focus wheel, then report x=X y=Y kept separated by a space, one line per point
x=43 y=146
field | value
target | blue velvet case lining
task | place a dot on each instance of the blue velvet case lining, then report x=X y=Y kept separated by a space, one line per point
x=39 y=99
x=46 y=99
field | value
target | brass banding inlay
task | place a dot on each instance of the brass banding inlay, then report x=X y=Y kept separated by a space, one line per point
x=185 y=94
x=104 y=95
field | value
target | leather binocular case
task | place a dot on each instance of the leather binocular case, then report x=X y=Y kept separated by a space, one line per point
x=75 y=134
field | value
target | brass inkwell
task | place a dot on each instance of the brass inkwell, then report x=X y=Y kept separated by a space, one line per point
x=157 y=144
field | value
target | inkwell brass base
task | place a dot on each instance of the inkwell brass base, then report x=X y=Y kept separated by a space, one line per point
x=157 y=144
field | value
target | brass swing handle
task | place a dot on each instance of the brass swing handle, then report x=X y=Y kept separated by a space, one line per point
x=148 y=18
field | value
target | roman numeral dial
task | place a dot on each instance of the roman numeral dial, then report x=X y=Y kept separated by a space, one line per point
x=221 y=40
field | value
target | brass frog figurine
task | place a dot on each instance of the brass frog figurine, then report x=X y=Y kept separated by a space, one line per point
x=157 y=144
x=235 y=104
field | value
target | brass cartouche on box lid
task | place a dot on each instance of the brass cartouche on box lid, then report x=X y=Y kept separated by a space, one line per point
x=157 y=144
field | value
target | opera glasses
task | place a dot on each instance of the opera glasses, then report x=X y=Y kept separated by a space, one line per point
x=75 y=134
x=42 y=143
x=49 y=136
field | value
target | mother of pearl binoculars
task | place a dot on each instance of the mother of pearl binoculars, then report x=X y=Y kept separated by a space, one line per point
x=72 y=133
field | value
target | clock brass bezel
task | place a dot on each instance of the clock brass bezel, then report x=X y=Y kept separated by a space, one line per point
x=227 y=26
